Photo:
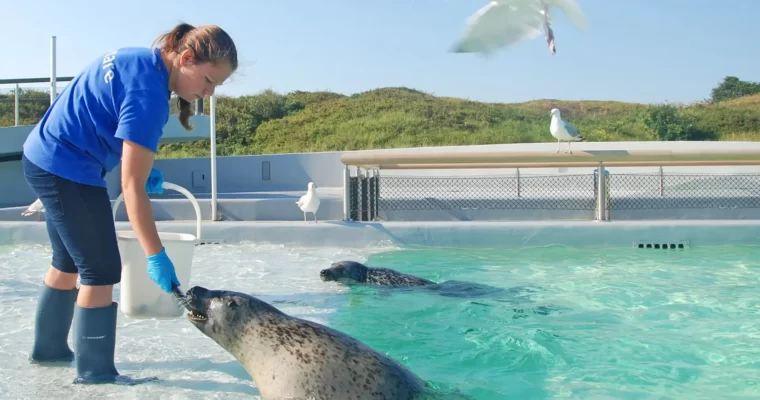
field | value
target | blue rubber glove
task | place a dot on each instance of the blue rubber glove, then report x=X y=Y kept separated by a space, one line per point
x=161 y=271
x=155 y=182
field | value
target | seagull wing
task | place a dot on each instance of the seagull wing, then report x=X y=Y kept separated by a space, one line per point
x=570 y=129
x=500 y=24
x=572 y=11
x=33 y=208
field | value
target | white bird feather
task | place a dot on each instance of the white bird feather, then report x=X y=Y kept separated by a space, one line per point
x=309 y=203
x=34 y=208
x=563 y=131
x=505 y=23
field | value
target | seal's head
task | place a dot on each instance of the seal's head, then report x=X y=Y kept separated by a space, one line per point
x=350 y=271
x=222 y=315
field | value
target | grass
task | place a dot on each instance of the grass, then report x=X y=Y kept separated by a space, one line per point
x=397 y=117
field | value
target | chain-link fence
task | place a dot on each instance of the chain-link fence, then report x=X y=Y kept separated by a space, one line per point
x=683 y=190
x=374 y=196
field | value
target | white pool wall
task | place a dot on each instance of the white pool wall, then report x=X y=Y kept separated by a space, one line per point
x=445 y=234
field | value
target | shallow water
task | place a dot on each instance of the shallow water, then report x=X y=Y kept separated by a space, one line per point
x=612 y=323
x=188 y=363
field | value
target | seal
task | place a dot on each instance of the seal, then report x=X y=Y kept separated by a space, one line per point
x=352 y=272
x=293 y=358
x=355 y=272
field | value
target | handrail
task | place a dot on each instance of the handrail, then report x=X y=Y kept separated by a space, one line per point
x=703 y=163
x=675 y=157
x=178 y=188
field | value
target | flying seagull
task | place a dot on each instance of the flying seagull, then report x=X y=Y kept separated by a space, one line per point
x=505 y=23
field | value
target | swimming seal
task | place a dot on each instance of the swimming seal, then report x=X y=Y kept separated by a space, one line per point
x=293 y=358
x=352 y=271
x=355 y=272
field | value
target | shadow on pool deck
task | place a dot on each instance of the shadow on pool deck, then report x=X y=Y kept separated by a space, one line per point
x=232 y=368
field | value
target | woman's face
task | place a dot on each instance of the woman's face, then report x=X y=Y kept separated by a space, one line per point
x=195 y=81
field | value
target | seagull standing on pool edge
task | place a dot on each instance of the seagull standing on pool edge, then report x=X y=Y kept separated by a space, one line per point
x=563 y=131
x=34 y=208
x=309 y=202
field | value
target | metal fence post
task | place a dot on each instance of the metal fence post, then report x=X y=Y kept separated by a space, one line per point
x=346 y=194
x=661 y=179
x=16 y=107
x=359 y=195
x=518 y=181
x=601 y=193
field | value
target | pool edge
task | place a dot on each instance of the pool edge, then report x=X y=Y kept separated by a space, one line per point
x=697 y=233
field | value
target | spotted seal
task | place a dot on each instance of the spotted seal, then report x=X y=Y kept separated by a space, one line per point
x=292 y=358
x=354 y=272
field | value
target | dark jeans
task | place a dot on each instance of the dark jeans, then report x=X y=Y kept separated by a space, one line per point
x=80 y=226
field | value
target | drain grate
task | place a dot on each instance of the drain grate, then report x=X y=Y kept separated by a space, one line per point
x=664 y=244
x=203 y=242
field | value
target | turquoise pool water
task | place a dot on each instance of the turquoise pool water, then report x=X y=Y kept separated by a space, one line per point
x=622 y=323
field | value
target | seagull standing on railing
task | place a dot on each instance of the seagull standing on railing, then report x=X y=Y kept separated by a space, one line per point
x=504 y=23
x=309 y=202
x=34 y=208
x=563 y=131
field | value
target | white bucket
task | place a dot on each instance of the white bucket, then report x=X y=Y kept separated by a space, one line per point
x=140 y=297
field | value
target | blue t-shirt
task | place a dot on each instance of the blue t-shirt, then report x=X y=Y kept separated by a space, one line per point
x=122 y=95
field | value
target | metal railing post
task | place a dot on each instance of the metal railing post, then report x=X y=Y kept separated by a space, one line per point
x=601 y=193
x=16 y=106
x=346 y=193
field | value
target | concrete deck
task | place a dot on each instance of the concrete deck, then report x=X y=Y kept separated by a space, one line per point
x=243 y=206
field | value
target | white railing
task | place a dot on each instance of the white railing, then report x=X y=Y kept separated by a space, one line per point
x=367 y=180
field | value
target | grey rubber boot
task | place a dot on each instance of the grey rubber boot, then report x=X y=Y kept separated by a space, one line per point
x=55 y=309
x=95 y=343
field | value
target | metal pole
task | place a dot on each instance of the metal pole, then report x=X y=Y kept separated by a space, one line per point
x=660 y=181
x=518 y=181
x=199 y=106
x=52 y=70
x=601 y=193
x=346 y=194
x=359 y=194
x=371 y=195
x=17 y=105
x=212 y=117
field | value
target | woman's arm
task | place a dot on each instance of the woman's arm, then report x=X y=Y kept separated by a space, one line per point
x=136 y=163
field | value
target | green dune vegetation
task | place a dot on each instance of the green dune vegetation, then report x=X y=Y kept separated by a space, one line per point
x=270 y=122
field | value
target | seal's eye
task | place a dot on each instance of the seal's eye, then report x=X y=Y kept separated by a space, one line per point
x=232 y=304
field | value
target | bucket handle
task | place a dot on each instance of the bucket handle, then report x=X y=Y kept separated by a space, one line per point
x=178 y=188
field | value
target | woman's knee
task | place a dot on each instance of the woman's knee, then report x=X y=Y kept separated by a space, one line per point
x=60 y=280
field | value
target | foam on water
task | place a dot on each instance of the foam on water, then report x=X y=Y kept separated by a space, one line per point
x=189 y=365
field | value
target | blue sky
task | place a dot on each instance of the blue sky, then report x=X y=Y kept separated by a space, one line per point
x=638 y=50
